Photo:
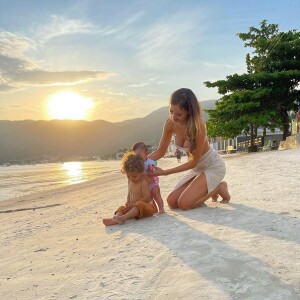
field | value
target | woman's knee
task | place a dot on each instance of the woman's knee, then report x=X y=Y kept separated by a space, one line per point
x=172 y=201
x=183 y=205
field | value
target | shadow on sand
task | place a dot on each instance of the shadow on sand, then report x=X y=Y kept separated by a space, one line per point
x=281 y=226
x=238 y=274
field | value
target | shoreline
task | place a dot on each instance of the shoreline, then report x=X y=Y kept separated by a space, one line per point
x=163 y=160
x=33 y=196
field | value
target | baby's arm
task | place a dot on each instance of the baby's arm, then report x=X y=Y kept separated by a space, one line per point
x=128 y=199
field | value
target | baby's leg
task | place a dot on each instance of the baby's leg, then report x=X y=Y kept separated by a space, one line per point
x=122 y=210
x=155 y=194
x=112 y=221
x=134 y=212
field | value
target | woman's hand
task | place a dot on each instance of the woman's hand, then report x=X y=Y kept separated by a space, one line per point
x=157 y=172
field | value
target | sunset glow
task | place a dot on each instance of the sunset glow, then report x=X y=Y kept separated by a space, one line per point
x=69 y=106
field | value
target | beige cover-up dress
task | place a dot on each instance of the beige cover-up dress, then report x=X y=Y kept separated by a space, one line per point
x=212 y=164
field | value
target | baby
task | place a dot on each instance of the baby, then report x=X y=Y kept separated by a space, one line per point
x=141 y=149
x=139 y=203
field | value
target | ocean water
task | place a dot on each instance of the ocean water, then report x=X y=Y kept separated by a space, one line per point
x=19 y=180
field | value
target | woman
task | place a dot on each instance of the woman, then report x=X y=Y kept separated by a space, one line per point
x=207 y=169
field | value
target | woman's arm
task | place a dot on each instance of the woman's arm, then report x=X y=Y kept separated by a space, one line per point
x=200 y=142
x=164 y=142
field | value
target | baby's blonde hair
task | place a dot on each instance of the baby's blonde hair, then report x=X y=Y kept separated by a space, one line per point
x=132 y=163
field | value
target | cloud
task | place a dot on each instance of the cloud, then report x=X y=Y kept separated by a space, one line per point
x=153 y=78
x=59 y=26
x=142 y=84
x=12 y=107
x=227 y=66
x=150 y=81
x=123 y=28
x=16 y=70
x=169 y=42
x=14 y=45
x=41 y=77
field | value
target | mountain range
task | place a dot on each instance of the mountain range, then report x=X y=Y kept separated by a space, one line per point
x=35 y=140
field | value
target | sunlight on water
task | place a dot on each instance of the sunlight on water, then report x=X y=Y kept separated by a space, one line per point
x=18 y=180
x=73 y=171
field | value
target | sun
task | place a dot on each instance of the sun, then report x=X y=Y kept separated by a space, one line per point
x=69 y=106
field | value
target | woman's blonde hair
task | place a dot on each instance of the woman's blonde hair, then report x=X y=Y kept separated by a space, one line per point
x=187 y=100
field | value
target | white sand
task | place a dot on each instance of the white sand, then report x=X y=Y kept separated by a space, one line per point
x=248 y=249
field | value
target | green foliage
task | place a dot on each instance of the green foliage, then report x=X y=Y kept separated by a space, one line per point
x=263 y=96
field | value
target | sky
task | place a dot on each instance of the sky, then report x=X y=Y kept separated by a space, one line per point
x=122 y=57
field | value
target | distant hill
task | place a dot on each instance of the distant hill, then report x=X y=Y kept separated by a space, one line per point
x=24 y=140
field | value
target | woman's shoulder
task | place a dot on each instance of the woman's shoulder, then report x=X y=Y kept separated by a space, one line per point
x=169 y=125
x=202 y=126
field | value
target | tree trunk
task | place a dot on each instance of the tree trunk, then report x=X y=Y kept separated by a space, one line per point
x=252 y=147
x=252 y=135
x=285 y=124
x=255 y=132
x=265 y=132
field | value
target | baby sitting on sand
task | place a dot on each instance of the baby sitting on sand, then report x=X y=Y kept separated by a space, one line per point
x=139 y=203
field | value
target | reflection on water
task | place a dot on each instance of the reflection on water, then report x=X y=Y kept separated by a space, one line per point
x=74 y=172
x=18 y=180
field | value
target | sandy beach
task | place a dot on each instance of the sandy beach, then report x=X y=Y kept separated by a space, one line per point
x=54 y=245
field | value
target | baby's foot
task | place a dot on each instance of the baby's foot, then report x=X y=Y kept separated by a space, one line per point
x=113 y=221
x=215 y=197
x=161 y=211
x=117 y=215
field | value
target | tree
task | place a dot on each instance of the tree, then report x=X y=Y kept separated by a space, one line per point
x=263 y=96
x=276 y=53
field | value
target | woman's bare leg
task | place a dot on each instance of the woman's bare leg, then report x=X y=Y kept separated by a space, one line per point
x=223 y=193
x=215 y=197
x=220 y=189
x=197 y=189
x=196 y=193
x=172 y=199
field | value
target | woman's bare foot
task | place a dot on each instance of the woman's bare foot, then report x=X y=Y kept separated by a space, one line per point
x=223 y=192
x=112 y=221
x=199 y=205
x=215 y=197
